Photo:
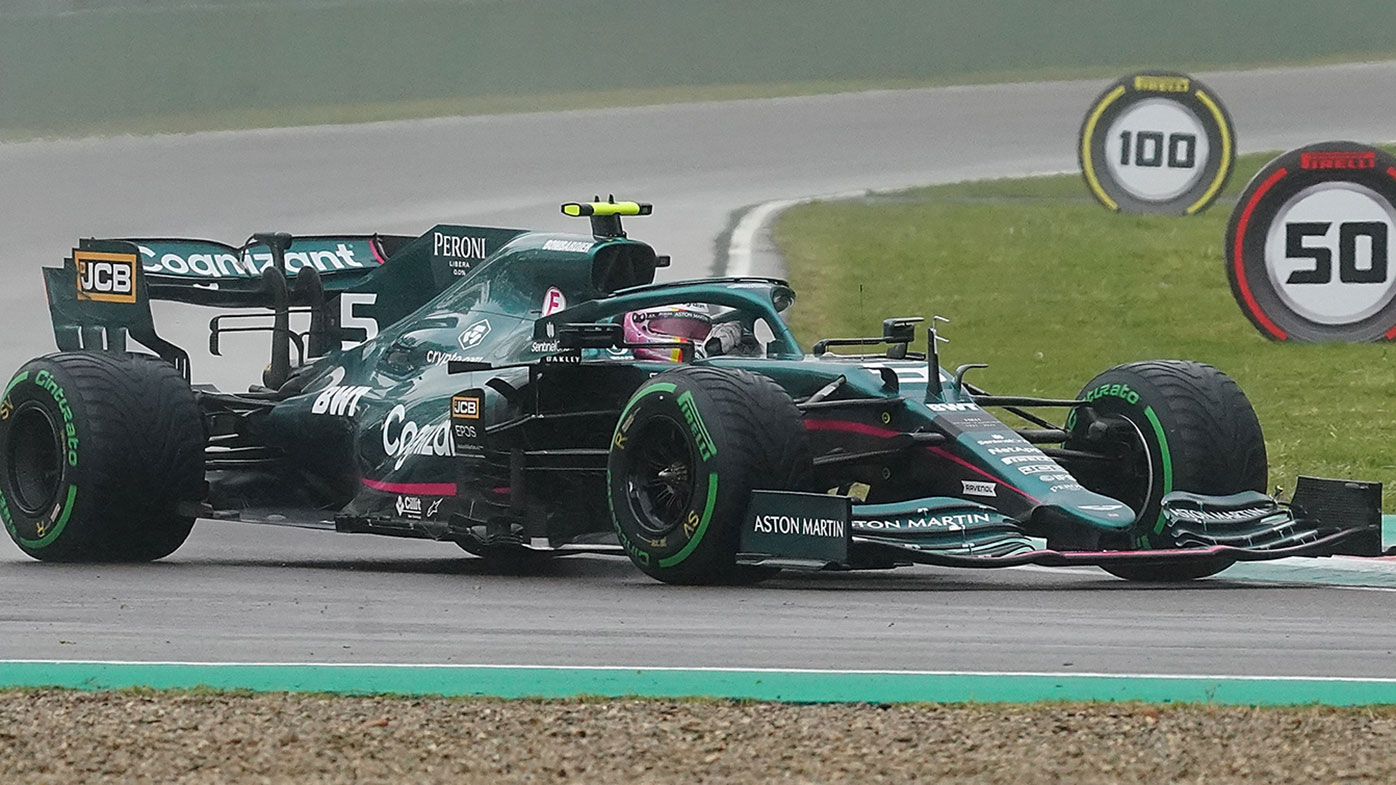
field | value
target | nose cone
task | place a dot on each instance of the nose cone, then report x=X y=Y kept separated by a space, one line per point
x=1084 y=508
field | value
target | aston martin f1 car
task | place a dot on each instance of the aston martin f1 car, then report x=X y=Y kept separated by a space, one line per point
x=515 y=392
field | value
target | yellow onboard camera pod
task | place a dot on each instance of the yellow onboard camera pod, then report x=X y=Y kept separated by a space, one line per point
x=605 y=216
x=582 y=209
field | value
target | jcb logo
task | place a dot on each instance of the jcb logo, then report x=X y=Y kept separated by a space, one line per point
x=465 y=407
x=106 y=277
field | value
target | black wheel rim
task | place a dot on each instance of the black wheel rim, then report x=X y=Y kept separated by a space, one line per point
x=660 y=475
x=1137 y=481
x=1129 y=477
x=33 y=459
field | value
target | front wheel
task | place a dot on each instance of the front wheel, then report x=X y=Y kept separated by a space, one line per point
x=1183 y=426
x=688 y=450
x=97 y=451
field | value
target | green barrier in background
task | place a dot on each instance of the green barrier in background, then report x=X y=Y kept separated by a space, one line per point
x=69 y=73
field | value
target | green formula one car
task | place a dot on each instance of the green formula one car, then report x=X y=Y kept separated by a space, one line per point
x=527 y=395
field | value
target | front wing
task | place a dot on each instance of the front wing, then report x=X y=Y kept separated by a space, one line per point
x=802 y=531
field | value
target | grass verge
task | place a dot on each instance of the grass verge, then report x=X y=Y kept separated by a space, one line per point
x=1050 y=288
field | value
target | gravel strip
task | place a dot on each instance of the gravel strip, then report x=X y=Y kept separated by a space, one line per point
x=79 y=737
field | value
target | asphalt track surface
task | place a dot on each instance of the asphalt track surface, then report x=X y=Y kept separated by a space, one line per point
x=238 y=592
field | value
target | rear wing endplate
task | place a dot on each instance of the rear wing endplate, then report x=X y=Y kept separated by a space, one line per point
x=99 y=297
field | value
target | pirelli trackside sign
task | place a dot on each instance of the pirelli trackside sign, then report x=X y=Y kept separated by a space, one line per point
x=1308 y=246
x=1156 y=143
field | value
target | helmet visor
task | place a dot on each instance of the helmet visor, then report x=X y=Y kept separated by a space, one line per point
x=678 y=325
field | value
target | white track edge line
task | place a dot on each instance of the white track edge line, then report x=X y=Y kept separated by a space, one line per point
x=679 y=669
x=740 y=249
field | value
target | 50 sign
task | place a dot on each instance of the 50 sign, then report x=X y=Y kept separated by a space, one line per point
x=1350 y=268
x=1309 y=245
x=1156 y=143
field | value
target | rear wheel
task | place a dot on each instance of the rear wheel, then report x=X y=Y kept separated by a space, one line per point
x=690 y=447
x=1176 y=426
x=97 y=451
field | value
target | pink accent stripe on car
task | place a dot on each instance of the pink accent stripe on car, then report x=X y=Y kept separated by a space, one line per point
x=413 y=488
x=872 y=430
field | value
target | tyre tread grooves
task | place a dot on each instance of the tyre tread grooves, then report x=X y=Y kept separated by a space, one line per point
x=764 y=430
x=1214 y=438
x=143 y=440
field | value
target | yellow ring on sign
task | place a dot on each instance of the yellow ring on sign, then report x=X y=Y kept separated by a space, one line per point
x=1225 y=167
x=1087 y=165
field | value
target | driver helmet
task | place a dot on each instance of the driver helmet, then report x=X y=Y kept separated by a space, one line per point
x=667 y=324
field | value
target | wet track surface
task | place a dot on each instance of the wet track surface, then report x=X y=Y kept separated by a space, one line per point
x=239 y=592
x=243 y=593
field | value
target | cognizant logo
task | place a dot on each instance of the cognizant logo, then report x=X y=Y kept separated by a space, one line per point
x=249 y=265
x=410 y=439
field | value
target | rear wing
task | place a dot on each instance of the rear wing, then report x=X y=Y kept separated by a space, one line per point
x=102 y=293
x=205 y=272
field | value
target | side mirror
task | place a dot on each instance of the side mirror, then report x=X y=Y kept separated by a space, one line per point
x=590 y=336
x=899 y=331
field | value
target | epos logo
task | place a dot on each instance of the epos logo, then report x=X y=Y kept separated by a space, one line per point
x=465 y=407
x=106 y=277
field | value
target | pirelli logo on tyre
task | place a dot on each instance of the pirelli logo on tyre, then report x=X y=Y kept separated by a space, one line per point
x=106 y=277
x=1156 y=143
x=1308 y=246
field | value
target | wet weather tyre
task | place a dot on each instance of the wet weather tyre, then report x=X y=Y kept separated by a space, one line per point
x=688 y=449
x=1193 y=430
x=97 y=451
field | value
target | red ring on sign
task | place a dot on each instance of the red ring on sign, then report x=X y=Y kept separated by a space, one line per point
x=1241 y=226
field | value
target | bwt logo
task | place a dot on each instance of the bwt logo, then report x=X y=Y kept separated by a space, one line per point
x=465 y=407
x=952 y=407
x=106 y=277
